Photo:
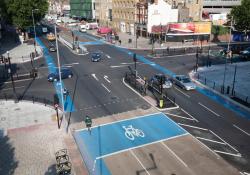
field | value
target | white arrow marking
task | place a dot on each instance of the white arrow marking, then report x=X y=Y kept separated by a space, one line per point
x=106 y=78
x=93 y=75
x=108 y=56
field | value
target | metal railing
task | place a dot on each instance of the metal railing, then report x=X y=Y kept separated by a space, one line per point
x=243 y=99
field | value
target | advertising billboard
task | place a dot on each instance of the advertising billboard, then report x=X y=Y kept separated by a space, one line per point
x=192 y=28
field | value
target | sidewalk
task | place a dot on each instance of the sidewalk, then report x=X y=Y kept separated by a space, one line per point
x=30 y=138
x=19 y=53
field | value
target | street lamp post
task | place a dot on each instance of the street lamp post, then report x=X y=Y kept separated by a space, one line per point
x=228 y=50
x=60 y=76
x=34 y=27
x=10 y=72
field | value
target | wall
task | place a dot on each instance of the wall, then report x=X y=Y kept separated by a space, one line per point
x=160 y=13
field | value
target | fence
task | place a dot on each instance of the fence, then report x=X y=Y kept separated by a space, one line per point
x=21 y=97
x=228 y=90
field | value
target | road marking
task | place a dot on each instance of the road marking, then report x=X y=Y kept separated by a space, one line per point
x=241 y=130
x=182 y=92
x=224 y=141
x=209 y=109
x=131 y=151
x=178 y=116
x=108 y=56
x=127 y=63
x=70 y=64
x=214 y=141
x=106 y=78
x=246 y=173
x=118 y=66
x=131 y=148
x=189 y=115
x=106 y=88
x=231 y=154
x=190 y=126
x=8 y=82
x=93 y=75
x=177 y=157
x=6 y=89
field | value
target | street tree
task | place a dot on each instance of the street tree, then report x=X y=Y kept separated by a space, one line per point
x=20 y=11
x=241 y=16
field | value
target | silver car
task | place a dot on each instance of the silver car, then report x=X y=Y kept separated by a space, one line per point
x=156 y=81
x=184 y=82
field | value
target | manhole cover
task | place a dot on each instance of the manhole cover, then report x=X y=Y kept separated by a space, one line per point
x=3 y=118
x=35 y=121
x=17 y=109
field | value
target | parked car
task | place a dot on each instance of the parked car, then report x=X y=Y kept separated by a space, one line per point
x=156 y=81
x=52 y=48
x=96 y=56
x=65 y=73
x=245 y=53
x=184 y=82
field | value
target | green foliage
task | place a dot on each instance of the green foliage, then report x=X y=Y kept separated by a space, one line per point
x=219 y=30
x=20 y=11
x=241 y=16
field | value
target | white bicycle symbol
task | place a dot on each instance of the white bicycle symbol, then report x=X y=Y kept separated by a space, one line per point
x=131 y=132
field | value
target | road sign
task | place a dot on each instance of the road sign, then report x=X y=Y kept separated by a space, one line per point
x=56 y=105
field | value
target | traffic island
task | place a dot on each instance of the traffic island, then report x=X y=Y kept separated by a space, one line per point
x=162 y=101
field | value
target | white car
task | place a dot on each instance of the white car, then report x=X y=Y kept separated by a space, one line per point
x=184 y=82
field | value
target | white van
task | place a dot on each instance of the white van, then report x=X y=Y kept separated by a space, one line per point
x=83 y=28
x=92 y=25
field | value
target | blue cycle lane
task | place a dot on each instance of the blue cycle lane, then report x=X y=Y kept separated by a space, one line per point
x=68 y=103
x=218 y=99
x=109 y=139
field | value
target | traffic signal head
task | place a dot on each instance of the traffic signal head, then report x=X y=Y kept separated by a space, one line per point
x=134 y=57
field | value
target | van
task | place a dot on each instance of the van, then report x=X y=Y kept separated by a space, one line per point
x=90 y=26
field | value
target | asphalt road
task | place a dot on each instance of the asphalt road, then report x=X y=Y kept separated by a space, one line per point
x=97 y=90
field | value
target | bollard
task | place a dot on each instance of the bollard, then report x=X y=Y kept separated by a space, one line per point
x=161 y=103
x=228 y=89
x=205 y=81
x=214 y=85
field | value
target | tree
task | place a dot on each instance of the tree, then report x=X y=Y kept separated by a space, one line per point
x=241 y=16
x=20 y=11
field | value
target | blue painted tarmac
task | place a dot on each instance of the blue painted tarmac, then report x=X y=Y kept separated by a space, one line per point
x=112 y=138
x=68 y=104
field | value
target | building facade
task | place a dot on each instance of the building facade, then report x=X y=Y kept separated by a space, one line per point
x=104 y=12
x=123 y=15
x=194 y=8
x=82 y=9
x=219 y=6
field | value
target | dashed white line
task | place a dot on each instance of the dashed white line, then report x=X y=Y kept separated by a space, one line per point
x=131 y=151
x=214 y=141
x=118 y=66
x=209 y=109
x=182 y=92
x=94 y=76
x=108 y=56
x=189 y=114
x=241 y=130
x=224 y=141
x=179 y=116
x=106 y=88
x=106 y=78
x=6 y=89
x=190 y=126
x=177 y=157
x=227 y=153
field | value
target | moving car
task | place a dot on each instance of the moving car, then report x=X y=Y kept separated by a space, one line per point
x=156 y=81
x=51 y=37
x=65 y=73
x=52 y=48
x=245 y=53
x=184 y=82
x=96 y=56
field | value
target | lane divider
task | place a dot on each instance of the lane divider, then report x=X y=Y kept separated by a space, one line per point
x=68 y=103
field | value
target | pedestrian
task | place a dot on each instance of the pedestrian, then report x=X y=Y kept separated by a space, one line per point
x=120 y=42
